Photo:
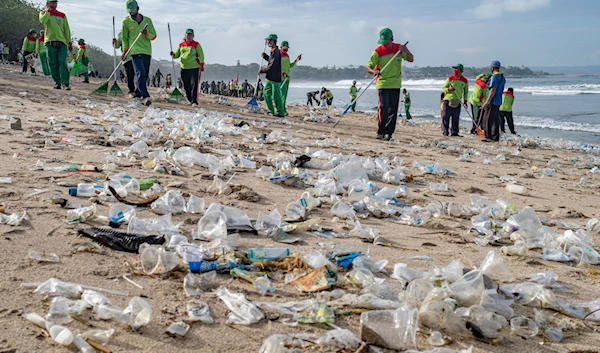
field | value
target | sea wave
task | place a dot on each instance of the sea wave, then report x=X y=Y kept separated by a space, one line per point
x=561 y=90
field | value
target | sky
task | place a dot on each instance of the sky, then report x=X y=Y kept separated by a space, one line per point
x=345 y=32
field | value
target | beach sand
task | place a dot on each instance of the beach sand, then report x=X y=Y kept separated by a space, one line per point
x=444 y=239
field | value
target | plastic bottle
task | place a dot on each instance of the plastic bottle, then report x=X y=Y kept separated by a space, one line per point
x=267 y=254
x=83 y=190
x=517 y=189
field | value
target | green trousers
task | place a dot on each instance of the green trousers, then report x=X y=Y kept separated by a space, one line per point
x=273 y=93
x=44 y=61
x=285 y=87
x=352 y=98
x=86 y=74
x=57 y=60
x=407 y=111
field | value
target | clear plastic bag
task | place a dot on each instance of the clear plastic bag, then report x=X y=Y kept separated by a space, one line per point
x=243 y=312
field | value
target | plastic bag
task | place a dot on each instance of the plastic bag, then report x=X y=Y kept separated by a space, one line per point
x=243 y=312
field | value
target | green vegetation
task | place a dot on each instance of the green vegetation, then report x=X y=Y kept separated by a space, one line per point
x=17 y=17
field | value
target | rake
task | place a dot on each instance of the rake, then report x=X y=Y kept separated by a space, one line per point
x=104 y=89
x=115 y=90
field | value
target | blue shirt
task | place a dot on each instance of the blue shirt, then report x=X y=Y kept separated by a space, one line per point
x=497 y=82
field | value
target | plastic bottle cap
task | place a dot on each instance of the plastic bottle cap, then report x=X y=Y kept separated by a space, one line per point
x=114 y=224
x=72 y=191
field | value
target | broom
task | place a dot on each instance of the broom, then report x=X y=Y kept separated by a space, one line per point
x=103 y=89
x=115 y=90
x=176 y=96
x=480 y=133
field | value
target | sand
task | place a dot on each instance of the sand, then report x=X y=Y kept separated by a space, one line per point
x=557 y=197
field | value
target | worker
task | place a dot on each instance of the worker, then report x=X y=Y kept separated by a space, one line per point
x=58 y=43
x=40 y=50
x=272 y=90
x=83 y=58
x=192 y=64
x=353 y=94
x=286 y=66
x=29 y=46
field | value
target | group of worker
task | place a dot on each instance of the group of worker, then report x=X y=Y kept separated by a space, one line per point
x=491 y=105
x=385 y=63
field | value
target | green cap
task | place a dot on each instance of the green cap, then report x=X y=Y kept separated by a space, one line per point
x=47 y=1
x=385 y=35
x=131 y=6
x=354 y=81
x=81 y=40
x=32 y=31
x=459 y=67
x=487 y=76
x=285 y=44
x=271 y=37
x=189 y=31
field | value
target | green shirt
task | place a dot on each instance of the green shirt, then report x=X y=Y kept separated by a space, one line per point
x=353 y=91
x=39 y=46
x=130 y=31
x=119 y=45
x=28 y=45
x=81 y=53
x=286 y=64
x=391 y=77
x=461 y=88
x=5 y=50
x=407 y=99
x=56 y=27
x=507 y=102
x=480 y=91
x=191 y=54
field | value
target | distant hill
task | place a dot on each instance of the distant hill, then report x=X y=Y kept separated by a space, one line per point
x=570 y=70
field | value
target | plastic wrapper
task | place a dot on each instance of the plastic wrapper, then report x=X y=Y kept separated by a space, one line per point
x=236 y=219
x=152 y=226
x=317 y=280
x=80 y=215
x=243 y=312
x=316 y=314
x=317 y=260
x=364 y=301
x=43 y=256
x=99 y=336
x=189 y=157
x=370 y=264
x=178 y=328
x=54 y=287
x=13 y=219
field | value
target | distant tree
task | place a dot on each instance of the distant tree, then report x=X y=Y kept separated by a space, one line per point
x=17 y=17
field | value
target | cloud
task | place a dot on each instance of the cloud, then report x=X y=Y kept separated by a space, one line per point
x=496 y=8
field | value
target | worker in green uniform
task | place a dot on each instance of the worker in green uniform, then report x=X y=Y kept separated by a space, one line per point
x=57 y=42
x=456 y=88
x=353 y=94
x=506 y=111
x=141 y=53
x=389 y=81
x=192 y=64
x=272 y=90
x=83 y=58
x=29 y=44
x=5 y=52
x=40 y=50
x=286 y=66
x=406 y=101
x=477 y=98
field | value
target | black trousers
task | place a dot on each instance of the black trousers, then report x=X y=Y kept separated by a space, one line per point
x=190 y=78
x=491 y=115
x=130 y=73
x=450 y=113
x=389 y=98
x=25 y=63
x=309 y=100
x=508 y=117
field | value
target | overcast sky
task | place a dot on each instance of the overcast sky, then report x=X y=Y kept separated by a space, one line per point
x=345 y=32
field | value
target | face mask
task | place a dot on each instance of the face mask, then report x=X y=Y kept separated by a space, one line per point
x=457 y=72
x=270 y=45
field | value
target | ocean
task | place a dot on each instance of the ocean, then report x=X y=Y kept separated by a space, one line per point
x=561 y=107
